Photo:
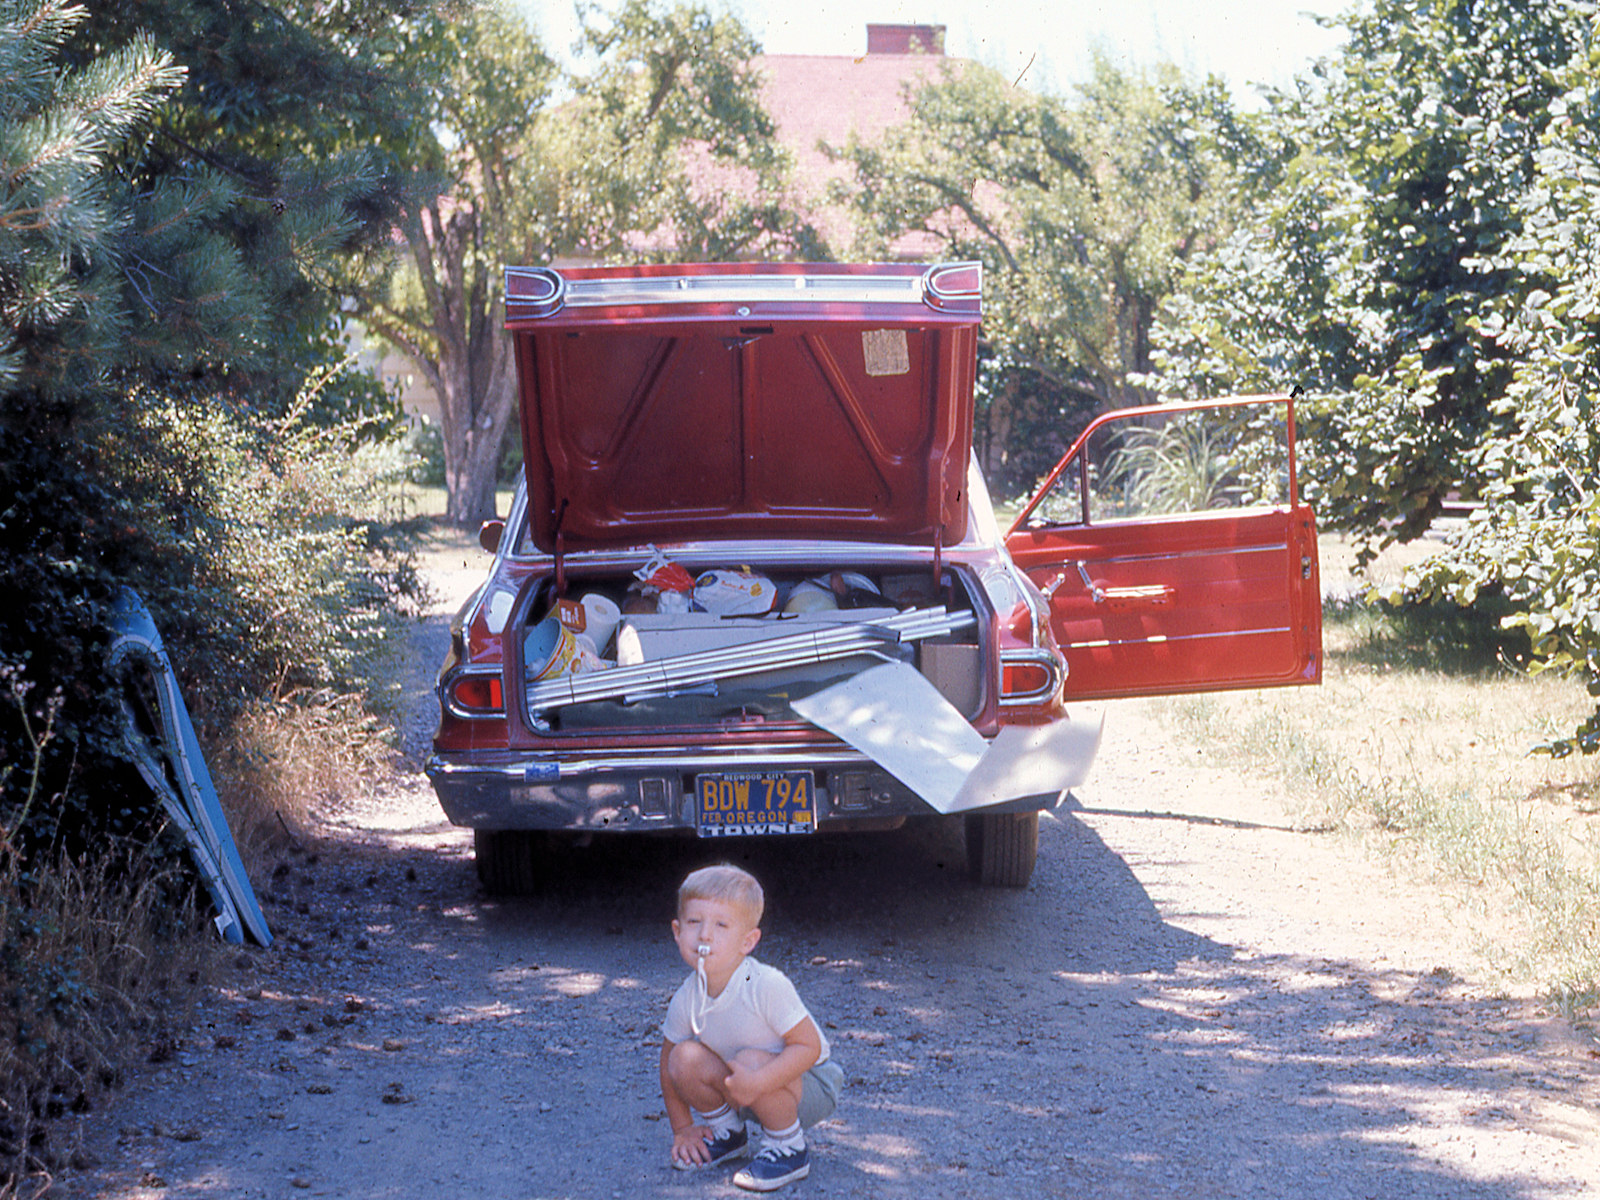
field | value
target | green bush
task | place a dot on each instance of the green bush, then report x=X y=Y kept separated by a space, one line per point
x=1433 y=635
x=424 y=445
x=265 y=550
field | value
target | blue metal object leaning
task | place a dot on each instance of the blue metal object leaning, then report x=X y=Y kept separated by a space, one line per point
x=168 y=758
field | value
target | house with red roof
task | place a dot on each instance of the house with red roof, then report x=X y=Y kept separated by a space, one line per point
x=822 y=99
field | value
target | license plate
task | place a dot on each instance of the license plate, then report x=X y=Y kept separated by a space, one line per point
x=745 y=804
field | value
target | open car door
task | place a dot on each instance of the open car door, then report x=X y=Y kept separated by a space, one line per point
x=1175 y=554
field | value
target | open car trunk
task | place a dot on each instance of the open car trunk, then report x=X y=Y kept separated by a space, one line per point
x=628 y=662
x=696 y=403
x=740 y=415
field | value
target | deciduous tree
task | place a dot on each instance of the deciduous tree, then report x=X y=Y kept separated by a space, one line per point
x=1376 y=249
x=1536 y=539
x=623 y=158
x=1084 y=211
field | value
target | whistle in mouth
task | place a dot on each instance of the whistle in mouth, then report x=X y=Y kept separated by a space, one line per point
x=702 y=949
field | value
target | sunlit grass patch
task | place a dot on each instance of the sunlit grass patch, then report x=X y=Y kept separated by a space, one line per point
x=428 y=500
x=1426 y=743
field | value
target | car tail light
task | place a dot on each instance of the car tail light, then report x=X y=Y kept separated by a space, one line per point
x=476 y=695
x=1023 y=678
x=1029 y=676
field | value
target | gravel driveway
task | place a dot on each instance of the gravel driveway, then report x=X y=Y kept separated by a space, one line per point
x=1191 y=1000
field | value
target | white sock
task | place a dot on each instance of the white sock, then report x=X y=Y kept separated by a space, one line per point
x=787 y=1140
x=722 y=1120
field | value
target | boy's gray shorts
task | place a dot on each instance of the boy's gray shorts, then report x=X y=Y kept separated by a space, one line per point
x=819 y=1094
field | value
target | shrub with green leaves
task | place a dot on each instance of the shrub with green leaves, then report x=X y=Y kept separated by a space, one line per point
x=175 y=416
x=1382 y=218
x=1536 y=541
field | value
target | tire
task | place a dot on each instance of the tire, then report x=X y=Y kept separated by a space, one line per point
x=509 y=861
x=1002 y=848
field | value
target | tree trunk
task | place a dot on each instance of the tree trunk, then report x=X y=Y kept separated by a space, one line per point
x=473 y=428
x=470 y=491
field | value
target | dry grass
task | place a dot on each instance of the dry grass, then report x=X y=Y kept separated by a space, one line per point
x=102 y=959
x=98 y=970
x=293 y=758
x=1435 y=766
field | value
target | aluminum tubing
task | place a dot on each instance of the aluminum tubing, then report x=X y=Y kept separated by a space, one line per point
x=670 y=674
x=690 y=670
x=828 y=643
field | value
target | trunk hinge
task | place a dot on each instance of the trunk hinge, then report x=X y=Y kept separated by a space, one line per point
x=560 y=549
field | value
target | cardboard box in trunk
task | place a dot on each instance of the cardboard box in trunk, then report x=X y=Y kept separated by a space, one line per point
x=956 y=669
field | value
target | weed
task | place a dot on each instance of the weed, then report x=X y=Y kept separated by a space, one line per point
x=97 y=966
x=294 y=757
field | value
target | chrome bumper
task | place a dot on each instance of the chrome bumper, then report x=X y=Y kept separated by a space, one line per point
x=640 y=792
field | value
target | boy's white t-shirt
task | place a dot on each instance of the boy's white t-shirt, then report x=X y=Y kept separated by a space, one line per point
x=755 y=1010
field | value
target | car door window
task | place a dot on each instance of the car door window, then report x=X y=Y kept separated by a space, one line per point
x=1172 y=463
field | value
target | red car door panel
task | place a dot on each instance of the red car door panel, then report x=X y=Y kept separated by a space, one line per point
x=1179 y=602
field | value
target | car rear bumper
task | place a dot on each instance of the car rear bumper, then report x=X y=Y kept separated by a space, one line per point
x=641 y=792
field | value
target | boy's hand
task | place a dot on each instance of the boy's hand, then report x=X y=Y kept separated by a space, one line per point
x=743 y=1085
x=689 y=1145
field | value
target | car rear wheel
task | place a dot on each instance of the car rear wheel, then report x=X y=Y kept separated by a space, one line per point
x=511 y=862
x=1002 y=848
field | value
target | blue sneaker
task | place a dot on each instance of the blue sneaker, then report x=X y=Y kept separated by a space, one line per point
x=733 y=1144
x=771 y=1168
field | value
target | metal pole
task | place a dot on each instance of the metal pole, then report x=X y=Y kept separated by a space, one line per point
x=687 y=670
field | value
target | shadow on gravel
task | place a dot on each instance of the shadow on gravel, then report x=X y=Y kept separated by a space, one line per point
x=1061 y=1040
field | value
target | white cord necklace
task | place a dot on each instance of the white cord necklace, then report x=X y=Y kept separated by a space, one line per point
x=700 y=1001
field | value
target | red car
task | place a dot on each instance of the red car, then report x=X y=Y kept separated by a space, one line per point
x=753 y=583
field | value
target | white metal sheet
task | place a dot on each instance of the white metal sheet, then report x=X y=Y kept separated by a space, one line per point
x=899 y=720
x=1031 y=760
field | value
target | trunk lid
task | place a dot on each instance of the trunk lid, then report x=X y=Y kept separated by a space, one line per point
x=664 y=403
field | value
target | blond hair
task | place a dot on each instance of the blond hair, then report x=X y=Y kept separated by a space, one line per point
x=730 y=884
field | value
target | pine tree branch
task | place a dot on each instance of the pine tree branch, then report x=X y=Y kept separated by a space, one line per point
x=212 y=160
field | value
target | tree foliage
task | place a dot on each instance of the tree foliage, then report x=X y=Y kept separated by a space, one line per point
x=535 y=165
x=267 y=166
x=1084 y=212
x=164 y=352
x=1423 y=257
x=1385 y=205
x=1536 y=540
x=62 y=293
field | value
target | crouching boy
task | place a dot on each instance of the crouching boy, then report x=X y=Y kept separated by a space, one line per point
x=738 y=1043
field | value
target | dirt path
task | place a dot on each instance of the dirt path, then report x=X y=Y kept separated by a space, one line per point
x=1191 y=1000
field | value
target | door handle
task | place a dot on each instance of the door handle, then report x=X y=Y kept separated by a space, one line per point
x=1089 y=584
x=1048 y=590
x=1149 y=595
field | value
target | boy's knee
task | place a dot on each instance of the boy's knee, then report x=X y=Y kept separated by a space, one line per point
x=694 y=1061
